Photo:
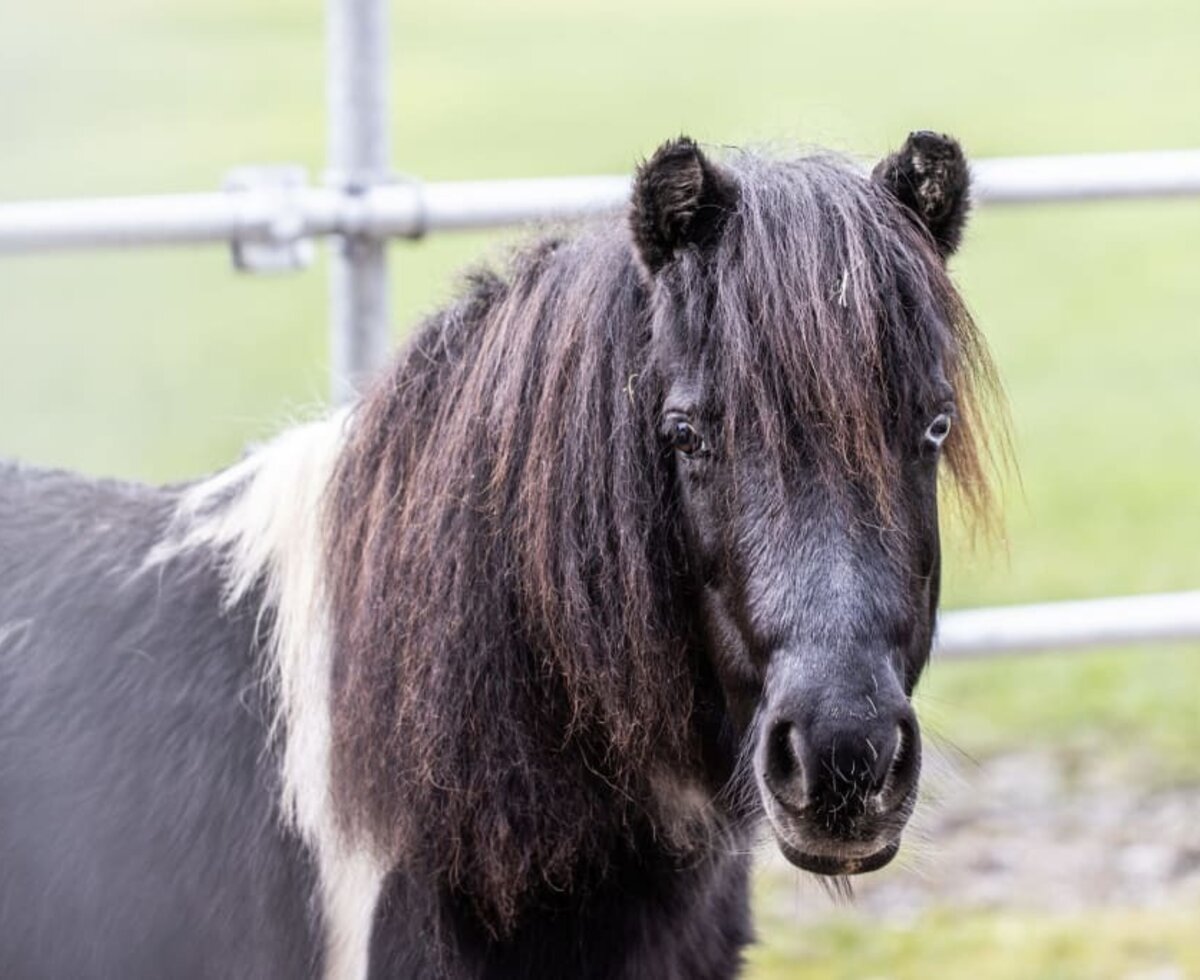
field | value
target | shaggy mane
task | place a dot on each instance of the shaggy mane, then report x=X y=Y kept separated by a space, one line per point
x=513 y=661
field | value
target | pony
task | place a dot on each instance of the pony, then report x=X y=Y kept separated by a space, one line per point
x=629 y=559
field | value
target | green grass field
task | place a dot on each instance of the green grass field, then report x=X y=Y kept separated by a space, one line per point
x=988 y=946
x=162 y=365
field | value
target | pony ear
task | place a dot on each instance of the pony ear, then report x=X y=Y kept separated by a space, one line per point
x=929 y=176
x=680 y=199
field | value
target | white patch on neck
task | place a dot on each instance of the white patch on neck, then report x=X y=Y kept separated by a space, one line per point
x=263 y=516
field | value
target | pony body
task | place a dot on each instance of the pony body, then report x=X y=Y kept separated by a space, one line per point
x=498 y=673
x=139 y=790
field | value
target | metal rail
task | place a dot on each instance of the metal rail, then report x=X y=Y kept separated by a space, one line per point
x=1086 y=624
x=360 y=312
x=363 y=207
x=255 y=212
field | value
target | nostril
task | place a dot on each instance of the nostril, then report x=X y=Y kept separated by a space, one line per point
x=784 y=770
x=881 y=751
x=903 y=768
x=782 y=762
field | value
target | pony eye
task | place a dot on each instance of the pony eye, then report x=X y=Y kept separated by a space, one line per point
x=685 y=439
x=938 y=430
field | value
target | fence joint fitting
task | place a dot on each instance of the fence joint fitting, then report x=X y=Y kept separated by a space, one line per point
x=272 y=235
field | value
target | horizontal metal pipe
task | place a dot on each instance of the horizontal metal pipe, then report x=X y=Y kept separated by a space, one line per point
x=172 y=219
x=116 y=222
x=1087 y=177
x=1090 y=623
x=411 y=209
x=497 y=203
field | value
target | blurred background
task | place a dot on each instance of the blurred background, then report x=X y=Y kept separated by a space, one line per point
x=1061 y=837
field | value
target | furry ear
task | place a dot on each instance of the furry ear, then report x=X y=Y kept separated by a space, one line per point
x=929 y=176
x=680 y=199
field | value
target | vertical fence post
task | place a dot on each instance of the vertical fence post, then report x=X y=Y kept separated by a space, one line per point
x=360 y=316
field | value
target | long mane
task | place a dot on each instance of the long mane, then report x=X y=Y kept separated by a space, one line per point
x=513 y=661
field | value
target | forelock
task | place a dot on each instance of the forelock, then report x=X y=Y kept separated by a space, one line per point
x=823 y=308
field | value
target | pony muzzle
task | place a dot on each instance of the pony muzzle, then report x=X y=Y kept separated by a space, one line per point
x=838 y=787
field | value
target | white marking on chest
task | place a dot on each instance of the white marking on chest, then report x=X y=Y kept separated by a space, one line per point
x=264 y=517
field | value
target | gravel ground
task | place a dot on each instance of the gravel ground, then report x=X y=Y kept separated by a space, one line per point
x=1034 y=831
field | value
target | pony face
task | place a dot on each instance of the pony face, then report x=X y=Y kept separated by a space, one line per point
x=817 y=614
x=809 y=355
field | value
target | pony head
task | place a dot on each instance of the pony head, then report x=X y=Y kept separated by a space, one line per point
x=641 y=538
x=816 y=369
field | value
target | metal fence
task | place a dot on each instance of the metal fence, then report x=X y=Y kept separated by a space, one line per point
x=270 y=217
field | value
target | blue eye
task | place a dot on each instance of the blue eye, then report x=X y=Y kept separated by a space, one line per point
x=938 y=430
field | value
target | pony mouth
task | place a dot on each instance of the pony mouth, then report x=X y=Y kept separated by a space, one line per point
x=858 y=847
x=831 y=864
